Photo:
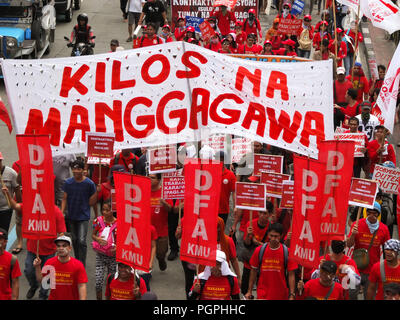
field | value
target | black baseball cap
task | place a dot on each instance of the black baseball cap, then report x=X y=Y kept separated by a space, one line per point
x=3 y=234
x=329 y=266
x=77 y=164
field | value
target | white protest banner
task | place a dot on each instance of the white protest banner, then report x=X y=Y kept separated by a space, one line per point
x=162 y=159
x=363 y=193
x=240 y=147
x=388 y=178
x=387 y=98
x=384 y=14
x=170 y=93
x=358 y=138
x=215 y=142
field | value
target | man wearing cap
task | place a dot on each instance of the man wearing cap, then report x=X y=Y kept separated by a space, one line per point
x=305 y=38
x=359 y=81
x=224 y=18
x=216 y=283
x=385 y=271
x=272 y=33
x=9 y=271
x=267 y=49
x=370 y=234
x=252 y=25
x=114 y=44
x=340 y=87
x=349 y=38
x=286 y=12
x=67 y=275
x=80 y=195
x=133 y=9
x=46 y=250
x=324 y=287
x=368 y=122
x=8 y=179
x=341 y=47
x=180 y=29
x=125 y=284
x=288 y=48
x=379 y=149
x=251 y=47
x=241 y=36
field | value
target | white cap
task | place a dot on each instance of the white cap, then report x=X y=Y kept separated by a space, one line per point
x=64 y=238
x=341 y=70
x=221 y=257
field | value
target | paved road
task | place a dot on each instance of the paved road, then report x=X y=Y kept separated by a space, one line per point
x=106 y=20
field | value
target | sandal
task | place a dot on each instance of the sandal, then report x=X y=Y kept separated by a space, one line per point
x=16 y=250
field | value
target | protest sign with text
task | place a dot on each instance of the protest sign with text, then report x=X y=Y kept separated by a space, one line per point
x=363 y=193
x=290 y=26
x=199 y=227
x=387 y=178
x=267 y=163
x=133 y=232
x=338 y=157
x=38 y=220
x=173 y=187
x=287 y=201
x=358 y=138
x=309 y=181
x=250 y=196
x=100 y=145
x=171 y=93
x=162 y=159
x=274 y=183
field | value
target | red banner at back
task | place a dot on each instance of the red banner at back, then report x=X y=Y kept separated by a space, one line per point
x=199 y=229
x=133 y=232
x=38 y=220
x=309 y=180
x=339 y=157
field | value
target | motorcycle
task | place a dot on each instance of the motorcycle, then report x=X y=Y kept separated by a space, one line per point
x=81 y=48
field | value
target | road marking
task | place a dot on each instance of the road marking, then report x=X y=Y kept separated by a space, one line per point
x=12 y=236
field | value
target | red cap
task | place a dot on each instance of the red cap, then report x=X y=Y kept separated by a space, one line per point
x=289 y=42
x=267 y=41
x=252 y=11
x=239 y=23
x=166 y=26
x=325 y=22
x=287 y=4
x=339 y=30
x=191 y=29
x=308 y=17
x=254 y=178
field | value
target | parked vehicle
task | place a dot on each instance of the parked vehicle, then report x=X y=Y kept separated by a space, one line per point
x=65 y=7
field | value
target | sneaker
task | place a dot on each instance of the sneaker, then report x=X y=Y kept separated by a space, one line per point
x=31 y=292
x=162 y=264
x=172 y=255
x=129 y=39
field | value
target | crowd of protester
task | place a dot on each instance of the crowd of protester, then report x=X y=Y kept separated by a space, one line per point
x=252 y=259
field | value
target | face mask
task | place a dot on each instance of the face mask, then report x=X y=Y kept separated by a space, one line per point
x=286 y=11
x=212 y=25
x=251 y=16
x=164 y=34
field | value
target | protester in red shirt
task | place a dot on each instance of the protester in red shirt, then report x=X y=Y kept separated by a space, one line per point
x=224 y=18
x=148 y=39
x=368 y=233
x=216 y=283
x=9 y=271
x=306 y=34
x=70 y=274
x=190 y=33
x=125 y=285
x=286 y=12
x=379 y=149
x=352 y=106
x=106 y=189
x=252 y=24
x=159 y=219
x=321 y=33
x=251 y=47
x=126 y=158
x=233 y=46
x=267 y=49
x=386 y=271
x=225 y=47
x=288 y=48
x=359 y=81
x=47 y=249
x=241 y=36
x=276 y=279
x=166 y=34
x=340 y=87
x=324 y=287
x=180 y=30
x=375 y=83
x=349 y=38
x=215 y=44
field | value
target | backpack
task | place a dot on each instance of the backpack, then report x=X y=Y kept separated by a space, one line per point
x=107 y=248
x=245 y=24
x=285 y=260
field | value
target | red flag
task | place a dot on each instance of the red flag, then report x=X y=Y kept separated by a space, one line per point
x=339 y=158
x=38 y=220
x=309 y=180
x=4 y=116
x=199 y=229
x=133 y=232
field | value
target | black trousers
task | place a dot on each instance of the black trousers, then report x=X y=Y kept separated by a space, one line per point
x=172 y=225
x=5 y=219
x=189 y=277
x=123 y=7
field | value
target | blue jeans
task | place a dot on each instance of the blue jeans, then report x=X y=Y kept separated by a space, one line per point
x=79 y=230
x=348 y=62
x=30 y=273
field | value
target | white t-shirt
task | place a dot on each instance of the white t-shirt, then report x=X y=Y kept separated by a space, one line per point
x=10 y=180
x=136 y=5
x=369 y=127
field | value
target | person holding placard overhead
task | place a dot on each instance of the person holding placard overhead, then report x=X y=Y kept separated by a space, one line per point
x=367 y=235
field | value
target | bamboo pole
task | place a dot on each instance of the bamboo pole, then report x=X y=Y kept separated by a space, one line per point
x=356 y=42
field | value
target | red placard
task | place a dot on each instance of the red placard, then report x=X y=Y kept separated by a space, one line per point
x=38 y=220
x=206 y=30
x=339 y=157
x=133 y=232
x=363 y=193
x=100 y=145
x=162 y=159
x=287 y=201
x=250 y=196
x=274 y=183
x=199 y=227
x=267 y=163
x=309 y=181
x=227 y=3
x=290 y=26
x=358 y=138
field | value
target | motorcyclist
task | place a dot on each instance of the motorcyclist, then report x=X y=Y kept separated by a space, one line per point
x=82 y=33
